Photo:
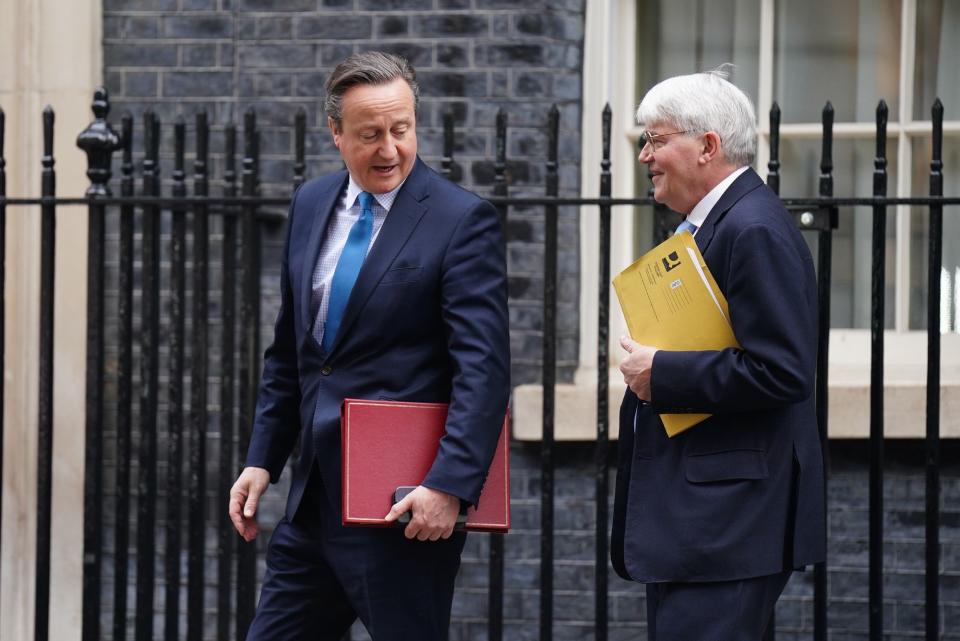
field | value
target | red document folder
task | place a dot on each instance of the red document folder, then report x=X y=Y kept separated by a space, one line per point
x=389 y=444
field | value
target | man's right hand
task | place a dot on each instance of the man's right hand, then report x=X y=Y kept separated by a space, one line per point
x=637 y=367
x=244 y=498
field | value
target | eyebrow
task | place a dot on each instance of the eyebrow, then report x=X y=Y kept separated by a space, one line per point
x=373 y=125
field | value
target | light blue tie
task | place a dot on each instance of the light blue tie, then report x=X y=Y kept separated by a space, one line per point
x=686 y=225
x=348 y=267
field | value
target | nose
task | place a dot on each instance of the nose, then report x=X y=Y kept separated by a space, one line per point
x=388 y=148
x=646 y=153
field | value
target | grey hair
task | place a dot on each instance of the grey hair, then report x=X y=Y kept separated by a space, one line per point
x=367 y=68
x=702 y=102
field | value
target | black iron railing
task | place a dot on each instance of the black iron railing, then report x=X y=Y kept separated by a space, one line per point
x=172 y=328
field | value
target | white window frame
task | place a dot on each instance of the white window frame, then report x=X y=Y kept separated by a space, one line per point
x=609 y=77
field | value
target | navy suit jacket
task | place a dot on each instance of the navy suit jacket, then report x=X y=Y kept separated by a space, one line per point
x=426 y=321
x=741 y=494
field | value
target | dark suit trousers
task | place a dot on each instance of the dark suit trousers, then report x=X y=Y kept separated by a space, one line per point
x=719 y=611
x=322 y=576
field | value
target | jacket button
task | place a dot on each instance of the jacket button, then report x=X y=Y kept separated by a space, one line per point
x=326 y=370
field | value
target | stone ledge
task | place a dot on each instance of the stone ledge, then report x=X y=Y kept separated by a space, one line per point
x=904 y=410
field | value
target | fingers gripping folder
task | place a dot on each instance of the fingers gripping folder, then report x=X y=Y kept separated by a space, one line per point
x=387 y=450
x=401 y=492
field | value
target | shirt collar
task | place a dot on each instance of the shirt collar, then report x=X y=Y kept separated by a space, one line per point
x=385 y=199
x=700 y=211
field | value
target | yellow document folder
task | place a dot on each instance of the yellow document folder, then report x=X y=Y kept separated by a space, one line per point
x=671 y=301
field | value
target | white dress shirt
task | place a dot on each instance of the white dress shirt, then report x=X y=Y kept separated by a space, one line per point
x=345 y=214
x=698 y=215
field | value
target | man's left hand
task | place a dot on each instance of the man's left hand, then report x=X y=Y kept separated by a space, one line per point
x=636 y=367
x=434 y=513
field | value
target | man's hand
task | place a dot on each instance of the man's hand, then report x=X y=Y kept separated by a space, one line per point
x=636 y=367
x=434 y=513
x=244 y=497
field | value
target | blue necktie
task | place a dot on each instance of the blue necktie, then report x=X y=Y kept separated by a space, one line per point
x=348 y=267
x=686 y=225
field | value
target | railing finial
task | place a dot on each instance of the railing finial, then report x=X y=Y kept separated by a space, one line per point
x=99 y=140
x=773 y=164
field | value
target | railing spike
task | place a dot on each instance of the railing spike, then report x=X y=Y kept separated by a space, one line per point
x=446 y=162
x=299 y=147
x=773 y=165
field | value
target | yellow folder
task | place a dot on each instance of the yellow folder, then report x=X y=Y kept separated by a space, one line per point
x=671 y=301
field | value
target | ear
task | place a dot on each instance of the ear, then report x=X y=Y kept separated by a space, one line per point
x=710 y=147
x=332 y=124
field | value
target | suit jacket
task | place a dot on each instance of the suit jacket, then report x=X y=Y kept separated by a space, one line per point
x=426 y=321
x=741 y=494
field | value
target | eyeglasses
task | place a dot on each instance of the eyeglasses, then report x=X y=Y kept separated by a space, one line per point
x=656 y=140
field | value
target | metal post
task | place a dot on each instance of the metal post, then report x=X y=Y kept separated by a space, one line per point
x=495 y=602
x=249 y=323
x=149 y=383
x=99 y=141
x=446 y=163
x=773 y=182
x=48 y=232
x=824 y=250
x=602 y=449
x=876 y=378
x=773 y=165
x=198 y=390
x=932 y=441
x=549 y=383
x=124 y=387
x=299 y=140
x=228 y=467
x=174 y=440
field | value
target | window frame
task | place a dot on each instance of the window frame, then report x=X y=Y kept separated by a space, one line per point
x=610 y=64
x=903 y=131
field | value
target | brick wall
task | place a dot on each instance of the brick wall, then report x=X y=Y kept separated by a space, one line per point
x=848 y=547
x=473 y=57
x=574 y=554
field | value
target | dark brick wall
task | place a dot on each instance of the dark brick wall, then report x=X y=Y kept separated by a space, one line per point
x=848 y=564
x=177 y=57
x=473 y=57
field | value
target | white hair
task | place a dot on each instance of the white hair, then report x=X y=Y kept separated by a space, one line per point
x=702 y=102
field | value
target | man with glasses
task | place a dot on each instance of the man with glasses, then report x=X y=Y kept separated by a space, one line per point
x=715 y=519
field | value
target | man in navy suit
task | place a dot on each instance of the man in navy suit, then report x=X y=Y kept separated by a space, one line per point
x=715 y=519
x=393 y=286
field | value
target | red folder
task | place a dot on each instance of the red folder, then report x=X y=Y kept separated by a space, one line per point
x=389 y=444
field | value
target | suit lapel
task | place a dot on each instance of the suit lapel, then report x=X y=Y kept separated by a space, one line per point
x=321 y=217
x=744 y=184
x=406 y=212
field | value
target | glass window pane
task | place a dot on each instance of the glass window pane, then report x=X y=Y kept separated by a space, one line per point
x=938 y=50
x=852 y=251
x=920 y=237
x=844 y=52
x=678 y=37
